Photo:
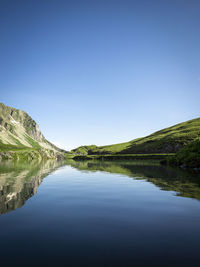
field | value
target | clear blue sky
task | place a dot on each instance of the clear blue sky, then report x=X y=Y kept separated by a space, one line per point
x=101 y=72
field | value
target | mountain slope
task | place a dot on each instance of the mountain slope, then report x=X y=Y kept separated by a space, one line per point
x=168 y=140
x=19 y=131
x=189 y=156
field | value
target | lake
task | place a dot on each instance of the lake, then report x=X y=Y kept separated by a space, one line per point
x=98 y=214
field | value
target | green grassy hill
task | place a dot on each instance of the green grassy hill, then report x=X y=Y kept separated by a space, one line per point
x=168 y=140
x=188 y=156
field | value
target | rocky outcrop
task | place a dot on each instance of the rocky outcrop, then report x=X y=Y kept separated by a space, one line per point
x=19 y=130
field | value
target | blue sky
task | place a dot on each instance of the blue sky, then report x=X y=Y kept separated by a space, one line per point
x=101 y=72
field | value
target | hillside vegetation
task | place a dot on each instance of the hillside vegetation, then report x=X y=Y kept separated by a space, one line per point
x=168 y=140
x=189 y=156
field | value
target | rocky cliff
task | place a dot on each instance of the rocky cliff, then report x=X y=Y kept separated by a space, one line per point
x=18 y=130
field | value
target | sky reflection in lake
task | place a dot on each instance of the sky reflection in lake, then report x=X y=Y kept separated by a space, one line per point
x=99 y=214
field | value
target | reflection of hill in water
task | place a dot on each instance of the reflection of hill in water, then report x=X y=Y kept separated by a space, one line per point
x=186 y=184
x=19 y=182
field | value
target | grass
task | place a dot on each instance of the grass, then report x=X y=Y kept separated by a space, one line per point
x=168 y=140
x=9 y=147
x=122 y=157
x=32 y=142
x=8 y=151
x=189 y=156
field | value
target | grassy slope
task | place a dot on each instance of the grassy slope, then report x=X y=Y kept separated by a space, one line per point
x=119 y=157
x=20 y=151
x=168 y=140
x=189 y=156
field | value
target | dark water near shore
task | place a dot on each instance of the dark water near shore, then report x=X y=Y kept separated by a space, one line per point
x=98 y=214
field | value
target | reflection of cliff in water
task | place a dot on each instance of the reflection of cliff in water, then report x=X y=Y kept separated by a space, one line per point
x=19 y=182
x=186 y=184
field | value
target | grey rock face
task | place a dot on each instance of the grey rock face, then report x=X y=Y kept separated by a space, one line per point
x=18 y=128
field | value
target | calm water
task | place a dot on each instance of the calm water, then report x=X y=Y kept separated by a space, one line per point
x=98 y=214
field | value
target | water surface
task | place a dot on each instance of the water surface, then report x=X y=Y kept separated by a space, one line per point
x=98 y=214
